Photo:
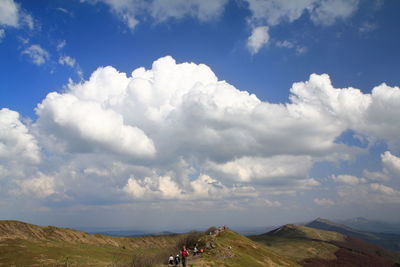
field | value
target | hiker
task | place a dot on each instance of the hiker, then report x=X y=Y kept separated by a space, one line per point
x=177 y=260
x=171 y=260
x=184 y=254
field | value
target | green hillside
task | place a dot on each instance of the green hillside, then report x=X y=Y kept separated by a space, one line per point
x=300 y=242
x=385 y=240
x=233 y=250
x=314 y=247
x=23 y=244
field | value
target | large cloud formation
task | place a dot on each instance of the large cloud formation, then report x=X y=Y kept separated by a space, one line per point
x=177 y=132
x=19 y=150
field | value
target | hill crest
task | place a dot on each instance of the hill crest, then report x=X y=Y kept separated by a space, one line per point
x=299 y=231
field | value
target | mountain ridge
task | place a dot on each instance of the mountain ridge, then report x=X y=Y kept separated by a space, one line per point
x=315 y=247
x=385 y=240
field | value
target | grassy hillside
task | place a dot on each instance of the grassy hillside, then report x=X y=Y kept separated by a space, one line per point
x=23 y=244
x=232 y=249
x=300 y=242
x=385 y=240
x=313 y=247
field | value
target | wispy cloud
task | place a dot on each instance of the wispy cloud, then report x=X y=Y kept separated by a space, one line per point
x=37 y=54
x=67 y=60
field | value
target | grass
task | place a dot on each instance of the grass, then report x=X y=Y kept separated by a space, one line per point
x=19 y=252
x=233 y=250
x=29 y=253
x=23 y=244
x=298 y=249
x=299 y=242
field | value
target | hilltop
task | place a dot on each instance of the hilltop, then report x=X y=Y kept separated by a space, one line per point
x=314 y=247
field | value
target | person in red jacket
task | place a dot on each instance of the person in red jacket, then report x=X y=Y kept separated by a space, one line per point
x=184 y=254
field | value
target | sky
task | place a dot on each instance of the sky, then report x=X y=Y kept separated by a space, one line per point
x=179 y=114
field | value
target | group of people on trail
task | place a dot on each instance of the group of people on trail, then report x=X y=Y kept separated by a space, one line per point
x=174 y=261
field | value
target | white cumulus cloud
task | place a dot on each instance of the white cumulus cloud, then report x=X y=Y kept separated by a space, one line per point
x=40 y=187
x=391 y=163
x=81 y=121
x=273 y=168
x=165 y=124
x=16 y=142
x=176 y=132
x=204 y=187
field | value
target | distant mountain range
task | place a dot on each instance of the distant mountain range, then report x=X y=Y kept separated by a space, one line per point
x=364 y=224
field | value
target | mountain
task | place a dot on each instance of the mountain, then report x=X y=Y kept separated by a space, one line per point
x=314 y=247
x=364 y=224
x=23 y=244
x=385 y=240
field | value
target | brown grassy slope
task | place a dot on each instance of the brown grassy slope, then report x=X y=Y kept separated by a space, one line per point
x=26 y=231
x=23 y=244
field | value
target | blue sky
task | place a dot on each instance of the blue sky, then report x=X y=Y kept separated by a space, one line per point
x=244 y=108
